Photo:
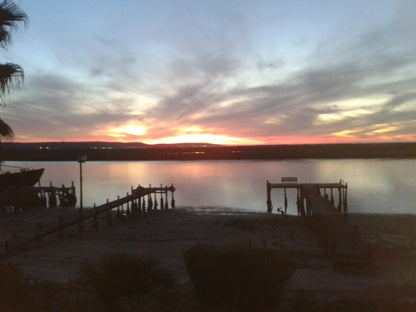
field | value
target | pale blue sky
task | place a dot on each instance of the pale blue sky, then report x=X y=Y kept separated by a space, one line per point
x=221 y=71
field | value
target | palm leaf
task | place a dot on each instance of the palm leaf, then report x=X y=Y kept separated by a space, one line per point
x=10 y=76
x=6 y=131
x=10 y=17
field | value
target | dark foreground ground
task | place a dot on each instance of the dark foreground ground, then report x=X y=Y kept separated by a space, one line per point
x=165 y=235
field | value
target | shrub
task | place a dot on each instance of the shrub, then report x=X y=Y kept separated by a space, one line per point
x=237 y=278
x=118 y=276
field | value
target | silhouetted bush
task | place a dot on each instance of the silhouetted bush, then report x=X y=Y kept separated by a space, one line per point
x=241 y=279
x=118 y=276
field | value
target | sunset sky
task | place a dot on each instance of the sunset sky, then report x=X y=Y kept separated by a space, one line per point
x=227 y=72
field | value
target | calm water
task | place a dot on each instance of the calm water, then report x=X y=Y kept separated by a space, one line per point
x=374 y=186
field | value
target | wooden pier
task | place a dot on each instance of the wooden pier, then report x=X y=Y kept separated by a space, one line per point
x=309 y=199
x=16 y=198
x=141 y=200
x=325 y=207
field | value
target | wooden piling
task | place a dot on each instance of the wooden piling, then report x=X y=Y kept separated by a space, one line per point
x=130 y=200
x=109 y=215
x=95 y=224
x=269 y=201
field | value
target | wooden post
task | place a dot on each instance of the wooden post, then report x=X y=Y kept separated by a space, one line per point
x=173 y=200
x=149 y=202
x=269 y=201
x=144 y=205
x=166 y=198
x=339 y=198
x=301 y=203
x=161 y=197
x=285 y=200
x=133 y=207
x=52 y=196
x=95 y=224
x=109 y=215
x=118 y=207
x=128 y=212
x=155 y=201
x=345 y=198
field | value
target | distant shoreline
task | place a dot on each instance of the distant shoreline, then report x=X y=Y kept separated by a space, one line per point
x=97 y=151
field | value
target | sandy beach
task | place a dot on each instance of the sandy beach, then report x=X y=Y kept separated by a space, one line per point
x=165 y=235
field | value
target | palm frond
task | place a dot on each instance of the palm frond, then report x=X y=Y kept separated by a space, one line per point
x=10 y=18
x=11 y=75
x=6 y=131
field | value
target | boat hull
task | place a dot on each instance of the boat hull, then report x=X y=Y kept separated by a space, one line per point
x=26 y=177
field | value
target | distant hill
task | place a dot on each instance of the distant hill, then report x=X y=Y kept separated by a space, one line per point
x=18 y=146
x=70 y=151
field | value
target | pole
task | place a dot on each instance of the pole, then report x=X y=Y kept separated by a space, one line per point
x=81 y=159
x=80 y=187
x=269 y=201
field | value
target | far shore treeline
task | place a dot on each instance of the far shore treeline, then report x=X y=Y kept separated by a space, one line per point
x=102 y=151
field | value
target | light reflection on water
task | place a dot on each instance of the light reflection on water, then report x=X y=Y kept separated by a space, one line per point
x=374 y=186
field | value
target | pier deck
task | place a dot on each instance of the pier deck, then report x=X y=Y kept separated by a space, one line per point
x=141 y=200
x=339 y=239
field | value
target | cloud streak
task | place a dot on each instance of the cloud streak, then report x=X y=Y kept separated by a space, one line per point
x=215 y=80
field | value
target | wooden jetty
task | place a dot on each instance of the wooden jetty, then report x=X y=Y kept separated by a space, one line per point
x=15 y=198
x=141 y=200
x=325 y=207
x=309 y=199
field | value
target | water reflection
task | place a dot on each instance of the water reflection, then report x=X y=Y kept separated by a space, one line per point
x=383 y=186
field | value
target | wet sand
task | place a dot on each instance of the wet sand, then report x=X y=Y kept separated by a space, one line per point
x=164 y=235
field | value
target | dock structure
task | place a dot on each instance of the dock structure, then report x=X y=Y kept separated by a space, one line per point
x=312 y=198
x=16 y=198
x=141 y=200
x=325 y=207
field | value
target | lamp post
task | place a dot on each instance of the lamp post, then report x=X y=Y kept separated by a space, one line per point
x=81 y=159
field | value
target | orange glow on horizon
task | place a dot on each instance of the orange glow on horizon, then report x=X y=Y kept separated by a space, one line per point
x=125 y=131
x=135 y=133
x=204 y=138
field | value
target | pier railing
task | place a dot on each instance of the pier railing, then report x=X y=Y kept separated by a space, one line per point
x=325 y=207
x=17 y=198
x=140 y=201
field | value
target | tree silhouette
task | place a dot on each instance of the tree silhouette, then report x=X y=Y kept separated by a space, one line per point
x=11 y=75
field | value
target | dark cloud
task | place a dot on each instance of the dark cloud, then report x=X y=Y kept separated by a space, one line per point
x=298 y=97
x=216 y=79
x=57 y=107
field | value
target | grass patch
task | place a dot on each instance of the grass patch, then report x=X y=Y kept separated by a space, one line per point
x=237 y=278
x=18 y=294
x=118 y=276
x=13 y=287
x=376 y=304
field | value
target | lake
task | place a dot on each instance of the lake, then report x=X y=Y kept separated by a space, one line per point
x=374 y=185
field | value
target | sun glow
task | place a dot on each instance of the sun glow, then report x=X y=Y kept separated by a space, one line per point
x=203 y=138
x=128 y=130
x=196 y=134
